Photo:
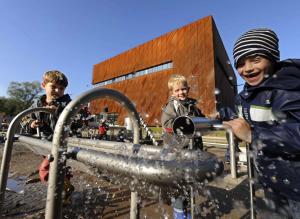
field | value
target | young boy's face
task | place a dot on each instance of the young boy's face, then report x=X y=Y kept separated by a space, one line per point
x=53 y=90
x=180 y=91
x=253 y=69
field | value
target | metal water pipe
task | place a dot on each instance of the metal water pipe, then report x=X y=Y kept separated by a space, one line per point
x=191 y=126
x=233 y=164
x=165 y=167
x=57 y=167
x=7 y=151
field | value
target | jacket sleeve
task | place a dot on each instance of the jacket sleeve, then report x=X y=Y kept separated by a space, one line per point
x=193 y=110
x=168 y=115
x=227 y=113
x=283 y=135
x=27 y=120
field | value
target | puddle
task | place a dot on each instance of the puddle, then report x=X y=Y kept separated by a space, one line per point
x=16 y=185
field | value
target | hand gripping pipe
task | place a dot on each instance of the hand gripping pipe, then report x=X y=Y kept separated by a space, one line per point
x=193 y=126
x=57 y=170
x=8 y=148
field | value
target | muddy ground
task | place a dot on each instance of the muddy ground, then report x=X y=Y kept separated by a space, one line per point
x=100 y=198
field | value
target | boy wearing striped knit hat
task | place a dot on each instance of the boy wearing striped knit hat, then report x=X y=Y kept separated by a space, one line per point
x=269 y=106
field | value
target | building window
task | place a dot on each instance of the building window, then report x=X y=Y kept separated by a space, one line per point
x=131 y=75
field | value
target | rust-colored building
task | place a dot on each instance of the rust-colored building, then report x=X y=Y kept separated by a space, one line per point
x=195 y=51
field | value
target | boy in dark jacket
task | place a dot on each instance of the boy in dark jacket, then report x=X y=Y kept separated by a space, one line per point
x=54 y=83
x=179 y=104
x=270 y=122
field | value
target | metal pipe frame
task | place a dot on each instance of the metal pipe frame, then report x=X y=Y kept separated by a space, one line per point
x=126 y=147
x=185 y=125
x=250 y=167
x=9 y=145
x=57 y=166
x=190 y=125
x=152 y=166
x=158 y=167
x=233 y=169
x=165 y=167
x=191 y=166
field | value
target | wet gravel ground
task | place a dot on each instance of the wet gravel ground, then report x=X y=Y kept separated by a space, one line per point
x=98 y=198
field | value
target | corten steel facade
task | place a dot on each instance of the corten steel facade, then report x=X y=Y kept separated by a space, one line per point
x=195 y=51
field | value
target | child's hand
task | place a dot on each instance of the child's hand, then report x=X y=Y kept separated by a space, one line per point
x=35 y=124
x=240 y=128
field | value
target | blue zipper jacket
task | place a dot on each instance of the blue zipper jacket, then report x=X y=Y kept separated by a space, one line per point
x=273 y=111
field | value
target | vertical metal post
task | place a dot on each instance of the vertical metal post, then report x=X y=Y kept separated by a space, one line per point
x=57 y=166
x=133 y=205
x=192 y=202
x=8 y=148
x=232 y=154
x=192 y=198
x=233 y=168
x=38 y=132
x=251 y=183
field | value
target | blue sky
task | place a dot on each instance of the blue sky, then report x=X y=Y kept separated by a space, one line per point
x=73 y=35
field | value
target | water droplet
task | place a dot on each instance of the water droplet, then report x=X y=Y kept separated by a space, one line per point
x=272 y=167
x=217 y=91
x=274 y=179
x=286 y=181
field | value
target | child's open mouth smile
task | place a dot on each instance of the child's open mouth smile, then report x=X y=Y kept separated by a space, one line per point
x=251 y=75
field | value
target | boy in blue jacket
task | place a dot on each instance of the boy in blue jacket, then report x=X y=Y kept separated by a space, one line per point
x=270 y=116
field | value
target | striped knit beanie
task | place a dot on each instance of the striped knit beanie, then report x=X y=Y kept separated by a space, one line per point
x=262 y=41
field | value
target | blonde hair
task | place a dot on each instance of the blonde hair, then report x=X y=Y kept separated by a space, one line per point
x=55 y=76
x=176 y=79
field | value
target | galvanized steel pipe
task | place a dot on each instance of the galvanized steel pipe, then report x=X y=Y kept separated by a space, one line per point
x=233 y=169
x=193 y=126
x=122 y=147
x=165 y=167
x=57 y=170
x=8 y=147
x=190 y=126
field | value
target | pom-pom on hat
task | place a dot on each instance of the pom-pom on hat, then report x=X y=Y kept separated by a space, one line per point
x=262 y=41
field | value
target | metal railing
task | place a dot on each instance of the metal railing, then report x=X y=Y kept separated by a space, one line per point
x=233 y=163
x=57 y=167
x=144 y=162
x=9 y=146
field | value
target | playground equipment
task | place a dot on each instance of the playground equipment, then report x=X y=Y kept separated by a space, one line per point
x=158 y=165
